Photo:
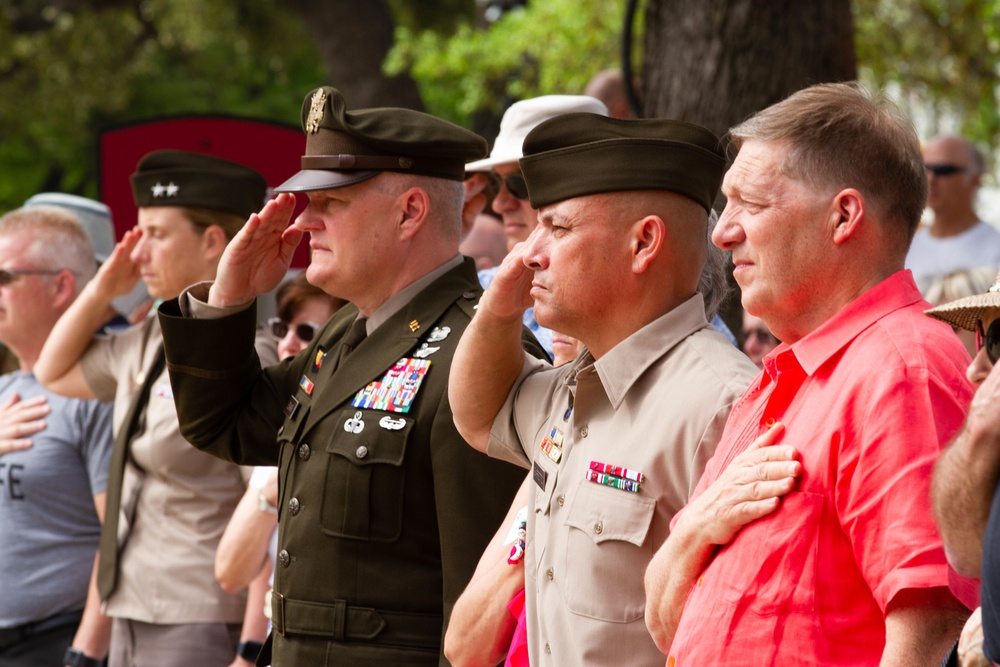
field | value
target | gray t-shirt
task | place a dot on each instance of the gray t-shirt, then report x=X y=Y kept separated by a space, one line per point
x=49 y=529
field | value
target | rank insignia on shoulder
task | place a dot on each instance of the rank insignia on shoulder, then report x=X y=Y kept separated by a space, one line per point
x=318 y=360
x=438 y=334
x=307 y=385
x=397 y=388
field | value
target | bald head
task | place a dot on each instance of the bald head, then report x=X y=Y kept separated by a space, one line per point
x=954 y=174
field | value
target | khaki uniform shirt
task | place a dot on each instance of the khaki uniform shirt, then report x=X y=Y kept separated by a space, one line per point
x=176 y=501
x=655 y=404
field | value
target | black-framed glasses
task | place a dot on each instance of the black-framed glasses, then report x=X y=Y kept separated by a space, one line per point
x=278 y=328
x=944 y=169
x=514 y=182
x=7 y=276
x=990 y=339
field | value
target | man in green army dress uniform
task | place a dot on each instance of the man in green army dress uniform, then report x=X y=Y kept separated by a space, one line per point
x=383 y=509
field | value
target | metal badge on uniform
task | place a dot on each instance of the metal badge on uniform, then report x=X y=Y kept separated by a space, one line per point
x=318 y=360
x=292 y=407
x=539 y=475
x=438 y=334
x=397 y=388
x=355 y=424
x=316 y=110
x=307 y=385
x=390 y=424
x=425 y=351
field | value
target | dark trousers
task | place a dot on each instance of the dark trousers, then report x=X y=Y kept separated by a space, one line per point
x=45 y=648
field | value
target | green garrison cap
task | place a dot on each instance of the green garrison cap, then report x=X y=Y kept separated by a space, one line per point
x=346 y=147
x=196 y=180
x=584 y=154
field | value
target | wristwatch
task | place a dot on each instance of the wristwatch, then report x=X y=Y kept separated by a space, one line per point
x=249 y=650
x=76 y=658
x=263 y=505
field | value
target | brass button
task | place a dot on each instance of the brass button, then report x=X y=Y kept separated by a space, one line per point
x=550 y=574
x=584 y=432
x=561 y=500
x=599 y=527
x=361 y=452
x=304 y=452
x=283 y=558
x=294 y=506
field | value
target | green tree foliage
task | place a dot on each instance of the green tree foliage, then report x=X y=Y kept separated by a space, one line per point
x=66 y=73
x=941 y=55
x=547 y=47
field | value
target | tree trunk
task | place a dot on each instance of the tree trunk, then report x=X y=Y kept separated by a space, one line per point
x=353 y=39
x=715 y=62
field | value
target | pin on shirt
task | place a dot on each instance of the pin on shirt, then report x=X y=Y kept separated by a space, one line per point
x=318 y=361
x=425 y=351
x=397 y=389
x=551 y=444
x=438 y=334
x=355 y=424
x=307 y=385
x=390 y=424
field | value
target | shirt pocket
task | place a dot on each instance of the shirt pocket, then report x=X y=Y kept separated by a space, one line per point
x=607 y=553
x=775 y=573
x=364 y=487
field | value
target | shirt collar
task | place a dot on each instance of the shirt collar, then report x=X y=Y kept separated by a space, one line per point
x=396 y=302
x=895 y=292
x=628 y=360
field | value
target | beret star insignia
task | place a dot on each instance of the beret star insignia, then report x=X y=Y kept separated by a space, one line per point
x=316 y=107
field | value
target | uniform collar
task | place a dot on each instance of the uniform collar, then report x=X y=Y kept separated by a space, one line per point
x=397 y=301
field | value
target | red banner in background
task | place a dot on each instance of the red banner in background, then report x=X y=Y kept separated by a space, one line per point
x=271 y=148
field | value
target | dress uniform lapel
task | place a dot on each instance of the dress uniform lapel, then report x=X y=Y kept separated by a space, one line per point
x=393 y=340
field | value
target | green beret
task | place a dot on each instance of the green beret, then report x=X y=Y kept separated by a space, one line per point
x=196 y=180
x=584 y=154
x=346 y=147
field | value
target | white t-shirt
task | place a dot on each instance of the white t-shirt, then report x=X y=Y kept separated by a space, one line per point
x=929 y=256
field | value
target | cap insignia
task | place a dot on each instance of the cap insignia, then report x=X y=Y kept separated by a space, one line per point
x=316 y=108
x=169 y=190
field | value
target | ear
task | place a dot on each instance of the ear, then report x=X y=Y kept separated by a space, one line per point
x=414 y=209
x=213 y=242
x=847 y=214
x=65 y=286
x=648 y=237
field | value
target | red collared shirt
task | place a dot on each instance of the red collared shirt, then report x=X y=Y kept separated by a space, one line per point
x=869 y=399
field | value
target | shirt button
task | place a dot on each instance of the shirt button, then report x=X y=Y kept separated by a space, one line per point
x=283 y=558
x=361 y=452
x=550 y=574
x=671 y=662
x=469 y=295
x=304 y=452
x=700 y=578
x=293 y=506
x=548 y=649
x=599 y=527
x=584 y=432
x=770 y=422
x=561 y=500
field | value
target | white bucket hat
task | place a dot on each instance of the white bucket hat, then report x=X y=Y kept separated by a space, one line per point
x=966 y=313
x=94 y=217
x=522 y=117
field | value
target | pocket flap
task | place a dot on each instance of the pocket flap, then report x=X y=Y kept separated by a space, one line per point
x=604 y=513
x=365 y=437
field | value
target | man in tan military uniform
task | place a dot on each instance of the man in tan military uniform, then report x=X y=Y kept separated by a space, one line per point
x=383 y=510
x=617 y=440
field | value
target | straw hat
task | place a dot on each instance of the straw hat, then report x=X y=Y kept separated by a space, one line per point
x=965 y=313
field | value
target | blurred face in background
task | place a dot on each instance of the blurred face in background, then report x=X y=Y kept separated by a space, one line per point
x=757 y=339
x=987 y=343
x=310 y=316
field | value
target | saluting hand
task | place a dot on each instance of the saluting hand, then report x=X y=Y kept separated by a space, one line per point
x=258 y=257
x=509 y=295
x=19 y=419
x=119 y=273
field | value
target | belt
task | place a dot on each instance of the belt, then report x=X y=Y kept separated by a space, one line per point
x=11 y=636
x=340 y=621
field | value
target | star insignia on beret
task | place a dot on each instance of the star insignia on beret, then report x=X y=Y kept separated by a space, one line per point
x=173 y=189
x=159 y=189
x=316 y=107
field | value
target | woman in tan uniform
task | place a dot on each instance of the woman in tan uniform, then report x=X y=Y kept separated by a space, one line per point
x=173 y=502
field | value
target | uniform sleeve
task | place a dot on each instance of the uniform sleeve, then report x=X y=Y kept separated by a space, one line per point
x=226 y=404
x=100 y=362
x=524 y=411
x=97 y=442
x=884 y=474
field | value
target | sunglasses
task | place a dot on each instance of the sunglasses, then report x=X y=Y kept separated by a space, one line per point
x=514 y=182
x=9 y=276
x=278 y=329
x=944 y=169
x=990 y=339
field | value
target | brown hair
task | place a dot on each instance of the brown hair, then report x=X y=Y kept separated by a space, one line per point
x=203 y=218
x=295 y=292
x=842 y=136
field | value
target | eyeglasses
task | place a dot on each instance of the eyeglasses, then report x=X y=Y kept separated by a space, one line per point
x=305 y=331
x=944 y=169
x=990 y=339
x=8 y=276
x=763 y=335
x=514 y=182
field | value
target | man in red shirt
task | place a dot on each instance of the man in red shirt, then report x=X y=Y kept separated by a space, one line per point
x=822 y=549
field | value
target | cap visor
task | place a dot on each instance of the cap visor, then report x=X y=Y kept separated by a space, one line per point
x=323 y=179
